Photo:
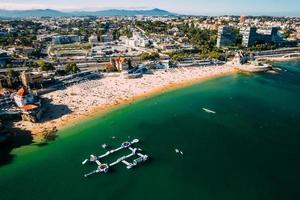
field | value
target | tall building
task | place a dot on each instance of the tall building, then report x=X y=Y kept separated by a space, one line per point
x=252 y=36
x=226 y=37
x=242 y=19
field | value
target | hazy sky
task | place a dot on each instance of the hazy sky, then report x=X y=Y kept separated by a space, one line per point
x=284 y=7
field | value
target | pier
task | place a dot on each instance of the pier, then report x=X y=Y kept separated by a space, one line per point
x=104 y=167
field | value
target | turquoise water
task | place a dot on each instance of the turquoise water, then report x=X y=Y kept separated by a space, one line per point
x=249 y=149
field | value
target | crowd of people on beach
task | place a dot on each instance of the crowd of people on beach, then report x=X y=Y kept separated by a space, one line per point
x=113 y=89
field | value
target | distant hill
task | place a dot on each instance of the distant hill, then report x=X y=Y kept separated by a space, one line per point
x=31 y=13
x=55 y=13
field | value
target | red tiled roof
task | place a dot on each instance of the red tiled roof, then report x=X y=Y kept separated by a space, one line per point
x=29 y=107
x=120 y=60
x=22 y=92
x=6 y=90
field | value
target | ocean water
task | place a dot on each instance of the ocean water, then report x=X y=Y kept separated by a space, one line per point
x=249 y=149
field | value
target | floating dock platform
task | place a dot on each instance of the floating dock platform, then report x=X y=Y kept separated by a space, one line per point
x=104 y=167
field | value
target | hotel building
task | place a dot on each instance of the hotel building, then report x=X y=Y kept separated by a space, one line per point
x=226 y=37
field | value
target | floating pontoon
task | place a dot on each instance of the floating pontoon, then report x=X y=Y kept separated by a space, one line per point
x=103 y=167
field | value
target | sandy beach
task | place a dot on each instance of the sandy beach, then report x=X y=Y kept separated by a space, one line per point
x=96 y=97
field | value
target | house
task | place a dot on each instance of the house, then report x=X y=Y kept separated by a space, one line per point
x=93 y=39
x=106 y=38
x=31 y=78
x=116 y=63
x=3 y=32
x=26 y=51
x=168 y=47
x=23 y=97
x=65 y=39
x=4 y=58
x=31 y=106
x=6 y=97
x=137 y=40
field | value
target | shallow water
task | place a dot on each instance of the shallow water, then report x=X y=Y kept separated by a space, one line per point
x=249 y=149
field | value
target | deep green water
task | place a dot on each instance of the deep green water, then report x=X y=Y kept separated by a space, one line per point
x=250 y=149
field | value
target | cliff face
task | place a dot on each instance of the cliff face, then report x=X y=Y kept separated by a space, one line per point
x=11 y=138
x=3 y=133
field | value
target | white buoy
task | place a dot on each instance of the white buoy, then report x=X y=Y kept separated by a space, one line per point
x=135 y=141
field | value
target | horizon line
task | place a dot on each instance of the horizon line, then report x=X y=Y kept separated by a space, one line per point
x=187 y=13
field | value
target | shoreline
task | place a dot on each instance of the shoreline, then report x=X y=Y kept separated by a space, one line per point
x=104 y=109
x=280 y=59
x=73 y=118
x=183 y=77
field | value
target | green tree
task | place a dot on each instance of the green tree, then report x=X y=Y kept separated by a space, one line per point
x=179 y=56
x=288 y=32
x=45 y=66
x=129 y=63
x=149 y=56
x=13 y=77
x=9 y=66
x=71 y=67
x=12 y=74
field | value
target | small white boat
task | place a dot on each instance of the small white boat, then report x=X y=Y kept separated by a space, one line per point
x=209 y=111
x=104 y=146
x=177 y=150
x=181 y=152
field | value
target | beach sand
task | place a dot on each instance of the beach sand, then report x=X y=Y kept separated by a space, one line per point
x=96 y=97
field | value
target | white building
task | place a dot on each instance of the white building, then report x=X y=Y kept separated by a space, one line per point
x=106 y=38
x=93 y=39
x=23 y=97
x=137 y=40
x=66 y=39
